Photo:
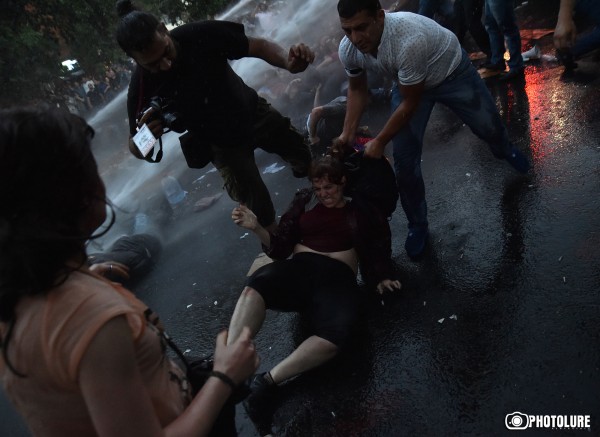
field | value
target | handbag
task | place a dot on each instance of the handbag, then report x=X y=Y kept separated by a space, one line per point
x=198 y=371
x=371 y=180
x=197 y=152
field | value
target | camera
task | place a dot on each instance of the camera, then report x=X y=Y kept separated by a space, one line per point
x=162 y=110
x=516 y=420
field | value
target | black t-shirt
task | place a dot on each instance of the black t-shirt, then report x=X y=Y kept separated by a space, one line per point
x=203 y=89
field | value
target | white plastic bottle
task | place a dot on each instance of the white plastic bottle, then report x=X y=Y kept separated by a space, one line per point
x=173 y=191
x=141 y=223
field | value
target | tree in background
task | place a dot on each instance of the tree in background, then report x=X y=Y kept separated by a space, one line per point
x=202 y=10
x=36 y=35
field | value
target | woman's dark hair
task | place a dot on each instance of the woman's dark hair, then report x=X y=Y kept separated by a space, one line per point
x=136 y=28
x=327 y=166
x=48 y=180
x=349 y=8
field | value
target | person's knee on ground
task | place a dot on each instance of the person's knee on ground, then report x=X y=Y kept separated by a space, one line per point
x=249 y=311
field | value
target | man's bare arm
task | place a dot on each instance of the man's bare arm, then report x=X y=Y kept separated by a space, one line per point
x=565 y=31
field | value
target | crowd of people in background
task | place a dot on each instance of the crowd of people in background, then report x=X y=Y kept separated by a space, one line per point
x=85 y=94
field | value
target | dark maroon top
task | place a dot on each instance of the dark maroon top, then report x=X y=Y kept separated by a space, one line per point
x=326 y=229
x=369 y=232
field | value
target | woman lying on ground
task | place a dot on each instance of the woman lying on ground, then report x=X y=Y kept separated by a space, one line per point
x=82 y=356
x=327 y=235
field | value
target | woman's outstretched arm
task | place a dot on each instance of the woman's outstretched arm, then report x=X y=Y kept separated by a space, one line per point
x=118 y=401
x=244 y=217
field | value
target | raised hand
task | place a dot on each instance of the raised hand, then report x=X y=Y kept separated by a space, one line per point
x=299 y=57
x=244 y=217
x=388 y=285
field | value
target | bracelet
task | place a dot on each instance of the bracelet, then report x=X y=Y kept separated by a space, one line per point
x=226 y=379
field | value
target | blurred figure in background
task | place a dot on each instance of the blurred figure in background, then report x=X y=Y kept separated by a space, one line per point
x=568 y=44
x=469 y=19
x=502 y=28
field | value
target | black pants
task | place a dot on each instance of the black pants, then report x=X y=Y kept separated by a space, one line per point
x=322 y=288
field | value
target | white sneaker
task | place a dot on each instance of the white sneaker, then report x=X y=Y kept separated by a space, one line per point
x=549 y=58
x=532 y=53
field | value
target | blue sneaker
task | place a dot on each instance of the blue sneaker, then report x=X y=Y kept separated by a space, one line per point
x=518 y=160
x=416 y=242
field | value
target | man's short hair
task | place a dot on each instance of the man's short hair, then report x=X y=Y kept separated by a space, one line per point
x=349 y=8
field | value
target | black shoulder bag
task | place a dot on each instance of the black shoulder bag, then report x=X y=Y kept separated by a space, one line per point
x=198 y=371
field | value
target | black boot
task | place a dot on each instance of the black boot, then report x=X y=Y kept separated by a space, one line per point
x=262 y=402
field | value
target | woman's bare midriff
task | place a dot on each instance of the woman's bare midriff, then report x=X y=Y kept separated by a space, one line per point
x=348 y=257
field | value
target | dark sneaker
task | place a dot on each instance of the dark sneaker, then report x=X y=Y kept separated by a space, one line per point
x=570 y=66
x=515 y=73
x=518 y=160
x=495 y=67
x=261 y=404
x=416 y=242
x=566 y=58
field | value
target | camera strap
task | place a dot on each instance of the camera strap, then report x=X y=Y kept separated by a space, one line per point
x=159 y=154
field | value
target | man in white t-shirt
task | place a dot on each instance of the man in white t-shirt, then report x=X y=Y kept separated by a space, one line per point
x=429 y=66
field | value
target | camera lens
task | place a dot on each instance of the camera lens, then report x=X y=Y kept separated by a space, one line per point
x=516 y=421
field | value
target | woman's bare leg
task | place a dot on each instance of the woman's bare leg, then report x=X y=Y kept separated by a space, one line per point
x=249 y=311
x=313 y=352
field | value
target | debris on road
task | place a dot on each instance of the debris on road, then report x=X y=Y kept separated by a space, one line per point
x=206 y=202
x=273 y=168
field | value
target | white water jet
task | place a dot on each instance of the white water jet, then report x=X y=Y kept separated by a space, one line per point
x=298 y=21
x=236 y=10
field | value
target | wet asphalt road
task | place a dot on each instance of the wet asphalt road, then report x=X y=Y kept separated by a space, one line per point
x=502 y=314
